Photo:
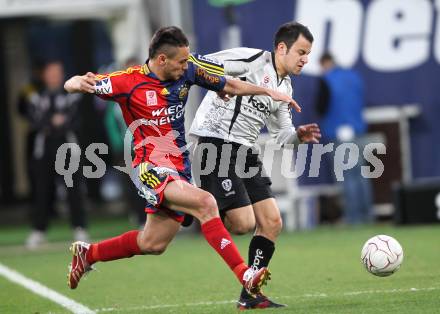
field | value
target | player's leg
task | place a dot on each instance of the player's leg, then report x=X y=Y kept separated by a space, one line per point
x=267 y=215
x=268 y=219
x=182 y=196
x=262 y=245
x=268 y=227
x=240 y=220
x=261 y=249
x=158 y=232
x=230 y=192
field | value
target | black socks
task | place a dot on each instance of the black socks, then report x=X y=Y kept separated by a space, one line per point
x=260 y=253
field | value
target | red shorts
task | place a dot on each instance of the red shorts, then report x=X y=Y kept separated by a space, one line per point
x=153 y=209
x=151 y=182
x=177 y=216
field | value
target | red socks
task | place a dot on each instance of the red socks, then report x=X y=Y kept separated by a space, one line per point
x=125 y=245
x=118 y=247
x=220 y=239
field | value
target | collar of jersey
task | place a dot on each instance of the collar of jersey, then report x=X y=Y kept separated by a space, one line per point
x=275 y=69
x=148 y=72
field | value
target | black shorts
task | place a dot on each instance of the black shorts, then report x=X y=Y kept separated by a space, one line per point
x=229 y=186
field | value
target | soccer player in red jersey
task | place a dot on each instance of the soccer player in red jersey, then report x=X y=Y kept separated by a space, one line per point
x=152 y=97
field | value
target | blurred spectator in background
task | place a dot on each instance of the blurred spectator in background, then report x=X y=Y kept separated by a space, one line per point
x=116 y=128
x=51 y=112
x=27 y=93
x=341 y=99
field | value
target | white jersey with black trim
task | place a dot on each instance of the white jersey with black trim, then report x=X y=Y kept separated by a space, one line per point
x=241 y=118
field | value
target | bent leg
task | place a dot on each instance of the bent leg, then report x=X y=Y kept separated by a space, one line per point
x=122 y=246
x=185 y=197
x=182 y=196
x=268 y=217
x=240 y=220
x=262 y=245
x=158 y=232
x=269 y=225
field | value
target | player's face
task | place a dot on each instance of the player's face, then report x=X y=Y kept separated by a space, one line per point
x=175 y=67
x=297 y=56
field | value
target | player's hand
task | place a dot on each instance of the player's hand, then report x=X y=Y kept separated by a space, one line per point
x=309 y=133
x=223 y=95
x=277 y=96
x=81 y=84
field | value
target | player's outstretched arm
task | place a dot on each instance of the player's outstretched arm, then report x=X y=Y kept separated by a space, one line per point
x=241 y=88
x=81 y=83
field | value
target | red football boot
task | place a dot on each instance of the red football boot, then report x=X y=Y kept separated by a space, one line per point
x=254 y=279
x=79 y=265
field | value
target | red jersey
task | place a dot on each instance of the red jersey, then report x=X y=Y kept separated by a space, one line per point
x=156 y=108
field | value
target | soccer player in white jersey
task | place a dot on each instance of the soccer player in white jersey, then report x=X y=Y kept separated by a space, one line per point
x=247 y=204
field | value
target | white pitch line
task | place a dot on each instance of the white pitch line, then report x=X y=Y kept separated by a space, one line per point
x=44 y=291
x=307 y=295
x=163 y=306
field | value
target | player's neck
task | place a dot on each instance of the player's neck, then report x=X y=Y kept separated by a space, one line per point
x=154 y=68
x=279 y=66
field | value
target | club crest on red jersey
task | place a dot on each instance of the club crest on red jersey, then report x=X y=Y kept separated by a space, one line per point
x=151 y=98
x=183 y=92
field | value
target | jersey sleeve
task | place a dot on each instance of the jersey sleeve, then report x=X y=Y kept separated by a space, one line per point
x=110 y=86
x=280 y=126
x=236 y=61
x=206 y=73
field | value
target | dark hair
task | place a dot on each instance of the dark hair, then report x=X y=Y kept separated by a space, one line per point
x=167 y=37
x=44 y=64
x=326 y=56
x=289 y=33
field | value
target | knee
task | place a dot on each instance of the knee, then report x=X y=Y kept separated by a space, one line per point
x=150 y=248
x=207 y=202
x=272 y=225
x=241 y=228
x=206 y=206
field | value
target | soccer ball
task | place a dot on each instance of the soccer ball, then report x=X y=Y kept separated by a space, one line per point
x=382 y=255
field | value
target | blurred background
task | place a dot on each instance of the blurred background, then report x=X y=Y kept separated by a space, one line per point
x=393 y=44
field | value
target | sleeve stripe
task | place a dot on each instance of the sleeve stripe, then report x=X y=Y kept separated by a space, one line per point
x=103 y=76
x=214 y=66
x=116 y=73
x=206 y=69
x=210 y=68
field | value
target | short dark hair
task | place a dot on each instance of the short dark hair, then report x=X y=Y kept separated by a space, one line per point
x=289 y=33
x=166 y=37
x=47 y=62
x=326 y=56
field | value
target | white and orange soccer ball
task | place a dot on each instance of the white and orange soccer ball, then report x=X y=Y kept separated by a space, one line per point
x=382 y=255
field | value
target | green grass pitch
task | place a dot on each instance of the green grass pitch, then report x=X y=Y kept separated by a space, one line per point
x=315 y=271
